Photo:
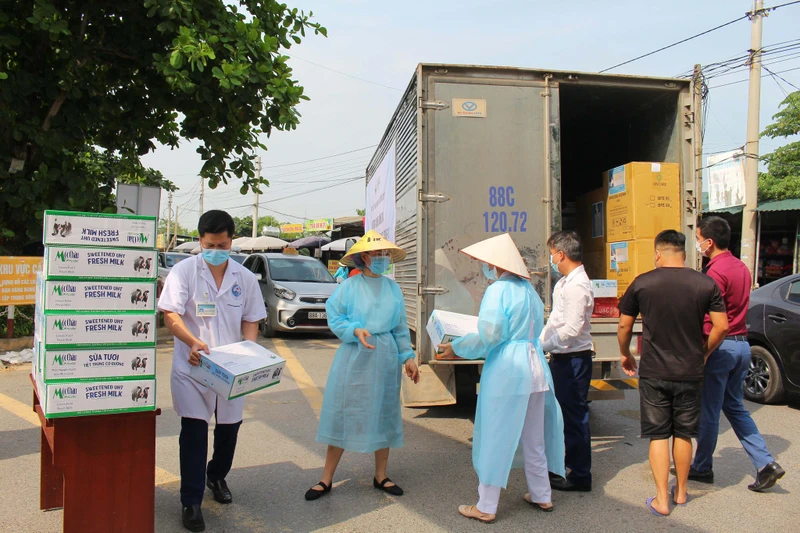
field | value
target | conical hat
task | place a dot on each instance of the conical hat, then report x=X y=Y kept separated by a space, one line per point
x=370 y=242
x=501 y=252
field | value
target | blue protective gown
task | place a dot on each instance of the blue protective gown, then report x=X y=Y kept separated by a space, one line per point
x=341 y=273
x=509 y=323
x=361 y=407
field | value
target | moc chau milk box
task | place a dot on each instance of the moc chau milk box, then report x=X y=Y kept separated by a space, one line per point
x=100 y=295
x=94 y=364
x=61 y=400
x=98 y=229
x=69 y=262
x=444 y=326
x=237 y=369
x=56 y=329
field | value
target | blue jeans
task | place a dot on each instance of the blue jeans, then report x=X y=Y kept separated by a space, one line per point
x=723 y=390
x=572 y=375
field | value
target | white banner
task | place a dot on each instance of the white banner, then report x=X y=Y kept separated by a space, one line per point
x=381 y=210
x=726 y=186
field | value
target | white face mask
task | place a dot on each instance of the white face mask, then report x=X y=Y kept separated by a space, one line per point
x=699 y=246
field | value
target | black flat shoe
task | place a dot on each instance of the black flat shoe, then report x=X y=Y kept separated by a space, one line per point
x=221 y=491
x=394 y=490
x=193 y=518
x=566 y=485
x=694 y=475
x=312 y=494
x=767 y=477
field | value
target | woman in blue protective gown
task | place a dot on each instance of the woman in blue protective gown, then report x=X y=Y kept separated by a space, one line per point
x=518 y=420
x=361 y=409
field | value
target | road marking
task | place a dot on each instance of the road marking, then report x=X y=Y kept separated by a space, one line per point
x=22 y=410
x=25 y=412
x=304 y=382
x=326 y=344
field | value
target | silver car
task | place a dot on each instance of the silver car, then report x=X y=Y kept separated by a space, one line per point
x=295 y=290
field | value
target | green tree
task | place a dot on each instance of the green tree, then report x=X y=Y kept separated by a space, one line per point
x=162 y=228
x=120 y=75
x=361 y=212
x=782 y=180
x=244 y=225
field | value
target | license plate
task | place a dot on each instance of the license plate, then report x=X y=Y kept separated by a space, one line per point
x=318 y=316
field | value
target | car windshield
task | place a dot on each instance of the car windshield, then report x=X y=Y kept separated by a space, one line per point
x=174 y=259
x=299 y=271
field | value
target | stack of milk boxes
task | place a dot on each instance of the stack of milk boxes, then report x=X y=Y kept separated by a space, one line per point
x=96 y=323
x=619 y=221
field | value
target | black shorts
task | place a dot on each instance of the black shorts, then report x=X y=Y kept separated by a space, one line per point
x=669 y=408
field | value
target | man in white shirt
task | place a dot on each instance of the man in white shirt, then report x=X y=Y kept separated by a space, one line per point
x=208 y=301
x=568 y=338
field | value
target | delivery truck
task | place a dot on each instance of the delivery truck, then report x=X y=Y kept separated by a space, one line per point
x=476 y=151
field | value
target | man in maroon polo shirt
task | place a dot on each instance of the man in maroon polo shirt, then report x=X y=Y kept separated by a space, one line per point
x=726 y=368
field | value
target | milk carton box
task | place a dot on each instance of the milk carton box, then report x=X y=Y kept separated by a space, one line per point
x=444 y=326
x=237 y=369
x=95 y=364
x=58 y=329
x=98 y=229
x=70 y=262
x=84 y=398
x=100 y=295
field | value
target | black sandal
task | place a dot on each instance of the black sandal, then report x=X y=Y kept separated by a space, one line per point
x=312 y=494
x=394 y=490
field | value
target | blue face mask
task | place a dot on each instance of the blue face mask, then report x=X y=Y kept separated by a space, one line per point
x=379 y=264
x=554 y=266
x=216 y=257
x=489 y=272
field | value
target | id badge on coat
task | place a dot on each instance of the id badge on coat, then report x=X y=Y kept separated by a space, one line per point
x=206 y=310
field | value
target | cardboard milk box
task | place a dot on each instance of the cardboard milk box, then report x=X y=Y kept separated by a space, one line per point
x=444 y=326
x=84 y=398
x=55 y=329
x=100 y=295
x=237 y=369
x=95 y=364
x=69 y=262
x=98 y=229
x=643 y=200
x=606 y=301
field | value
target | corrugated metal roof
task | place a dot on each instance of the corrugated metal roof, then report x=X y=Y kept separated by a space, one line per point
x=792 y=204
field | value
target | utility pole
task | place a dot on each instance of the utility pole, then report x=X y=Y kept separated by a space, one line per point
x=256 y=198
x=202 y=194
x=169 y=220
x=175 y=235
x=749 y=216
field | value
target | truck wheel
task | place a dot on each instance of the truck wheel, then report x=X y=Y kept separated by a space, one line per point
x=764 y=383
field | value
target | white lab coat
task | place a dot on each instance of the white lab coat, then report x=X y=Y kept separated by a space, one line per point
x=239 y=299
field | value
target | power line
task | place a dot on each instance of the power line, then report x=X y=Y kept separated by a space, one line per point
x=301 y=193
x=321 y=158
x=746 y=15
x=763 y=76
x=774 y=74
x=676 y=43
x=345 y=74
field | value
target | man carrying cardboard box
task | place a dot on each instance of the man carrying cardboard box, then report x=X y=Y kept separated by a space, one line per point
x=568 y=338
x=207 y=302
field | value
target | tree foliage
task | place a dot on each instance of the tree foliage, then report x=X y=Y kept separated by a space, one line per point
x=782 y=180
x=88 y=87
x=244 y=226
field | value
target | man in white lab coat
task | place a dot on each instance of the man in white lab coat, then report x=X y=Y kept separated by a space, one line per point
x=207 y=301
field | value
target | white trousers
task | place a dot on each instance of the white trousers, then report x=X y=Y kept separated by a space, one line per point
x=533 y=450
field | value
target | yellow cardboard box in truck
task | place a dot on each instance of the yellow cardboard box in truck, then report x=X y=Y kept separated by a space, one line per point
x=643 y=200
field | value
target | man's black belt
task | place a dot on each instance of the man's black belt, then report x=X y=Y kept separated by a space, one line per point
x=736 y=338
x=572 y=354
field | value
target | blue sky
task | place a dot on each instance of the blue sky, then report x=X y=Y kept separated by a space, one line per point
x=383 y=42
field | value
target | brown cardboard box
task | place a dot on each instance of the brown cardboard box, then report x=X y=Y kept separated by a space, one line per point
x=595 y=263
x=591 y=213
x=643 y=200
x=629 y=259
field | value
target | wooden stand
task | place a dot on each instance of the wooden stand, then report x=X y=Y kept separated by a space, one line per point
x=100 y=469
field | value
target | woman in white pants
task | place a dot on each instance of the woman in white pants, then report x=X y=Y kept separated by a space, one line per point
x=517 y=410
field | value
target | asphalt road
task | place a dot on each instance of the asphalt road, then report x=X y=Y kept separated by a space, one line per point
x=278 y=459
